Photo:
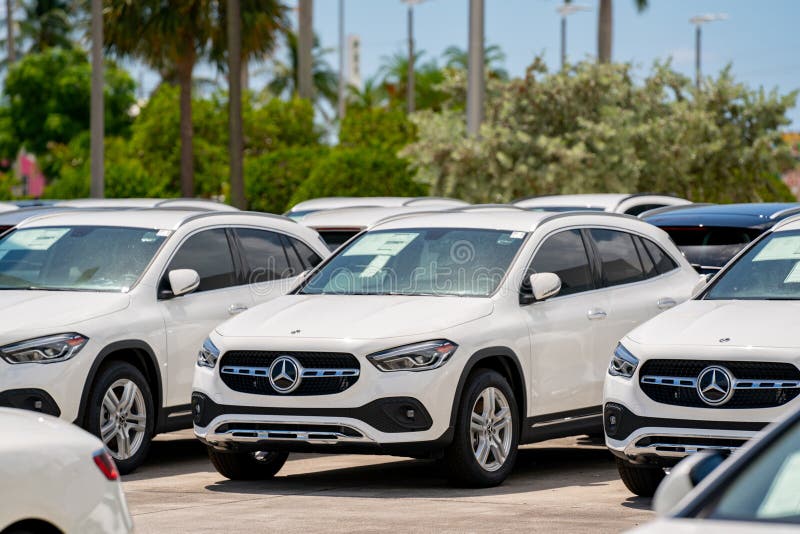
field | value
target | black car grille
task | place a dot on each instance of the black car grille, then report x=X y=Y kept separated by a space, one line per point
x=741 y=398
x=260 y=385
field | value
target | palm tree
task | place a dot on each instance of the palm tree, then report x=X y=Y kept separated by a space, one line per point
x=371 y=95
x=427 y=77
x=39 y=25
x=493 y=57
x=166 y=35
x=605 y=25
x=324 y=78
x=243 y=30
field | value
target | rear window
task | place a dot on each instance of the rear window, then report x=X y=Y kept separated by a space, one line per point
x=336 y=238
x=711 y=246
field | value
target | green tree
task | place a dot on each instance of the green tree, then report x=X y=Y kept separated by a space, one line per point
x=494 y=57
x=167 y=35
x=272 y=177
x=324 y=78
x=593 y=129
x=42 y=24
x=427 y=78
x=378 y=128
x=48 y=98
x=358 y=172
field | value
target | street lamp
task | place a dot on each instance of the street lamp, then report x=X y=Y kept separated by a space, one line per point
x=566 y=10
x=411 y=82
x=698 y=21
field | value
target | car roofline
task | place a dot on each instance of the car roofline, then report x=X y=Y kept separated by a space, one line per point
x=785 y=222
x=785 y=213
x=674 y=207
x=189 y=218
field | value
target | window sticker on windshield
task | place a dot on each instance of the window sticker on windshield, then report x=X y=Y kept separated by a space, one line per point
x=35 y=239
x=794 y=275
x=783 y=497
x=164 y=233
x=149 y=237
x=517 y=235
x=381 y=244
x=374 y=267
x=507 y=239
x=780 y=248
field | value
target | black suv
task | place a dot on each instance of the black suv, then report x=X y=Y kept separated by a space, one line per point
x=709 y=235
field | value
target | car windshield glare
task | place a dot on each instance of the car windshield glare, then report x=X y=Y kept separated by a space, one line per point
x=768 y=271
x=75 y=258
x=431 y=261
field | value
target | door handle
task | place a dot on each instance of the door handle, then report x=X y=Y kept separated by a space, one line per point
x=234 y=309
x=665 y=303
x=596 y=314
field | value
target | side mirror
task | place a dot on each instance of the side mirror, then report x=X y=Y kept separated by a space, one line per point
x=545 y=285
x=683 y=478
x=183 y=281
x=702 y=282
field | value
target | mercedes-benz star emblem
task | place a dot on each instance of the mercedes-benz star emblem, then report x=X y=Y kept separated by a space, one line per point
x=285 y=374
x=725 y=340
x=715 y=385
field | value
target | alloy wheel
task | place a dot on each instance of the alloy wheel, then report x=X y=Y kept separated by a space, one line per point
x=491 y=429
x=123 y=419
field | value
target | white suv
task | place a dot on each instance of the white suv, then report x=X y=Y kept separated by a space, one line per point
x=712 y=372
x=103 y=312
x=459 y=334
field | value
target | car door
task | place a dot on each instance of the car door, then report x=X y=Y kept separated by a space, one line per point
x=562 y=328
x=190 y=318
x=634 y=288
x=272 y=261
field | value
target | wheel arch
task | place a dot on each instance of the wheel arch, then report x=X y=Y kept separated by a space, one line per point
x=503 y=360
x=39 y=526
x=140 y=355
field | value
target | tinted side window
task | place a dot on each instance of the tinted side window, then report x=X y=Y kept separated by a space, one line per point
x=264 y=255
x=209 y=254
x=664 y=263
x=309 y=257
x=648 y=266
x=641 y=208
x=565 y=255
x=618 y=256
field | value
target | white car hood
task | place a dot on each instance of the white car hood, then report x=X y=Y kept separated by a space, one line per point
x=355 y=316
x=51 y=312
x=709 y=526
x=746 y=323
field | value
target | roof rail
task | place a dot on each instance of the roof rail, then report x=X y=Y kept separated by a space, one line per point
x=212 y=213
x=785 y=213
x=478 y=207
x=564 y=214
x=665 y=209
x=410 y=201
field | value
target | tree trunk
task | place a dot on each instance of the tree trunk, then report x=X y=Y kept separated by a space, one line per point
x=96 y=118
x=185 y=69
x=605 y=29
x=235 y=102
x=11 y=54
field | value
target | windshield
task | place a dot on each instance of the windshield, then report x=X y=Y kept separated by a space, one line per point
x=711 y=246
x=90 y=258
x=768 y=271
x=769 y=488
x=431 y=261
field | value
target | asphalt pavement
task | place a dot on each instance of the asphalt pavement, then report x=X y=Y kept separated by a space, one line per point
x=568 y=485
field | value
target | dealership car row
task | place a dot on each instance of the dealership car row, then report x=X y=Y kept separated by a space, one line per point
x=435 y=329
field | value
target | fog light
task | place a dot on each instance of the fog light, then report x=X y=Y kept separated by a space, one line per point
x=612 y=417
x=410 y=414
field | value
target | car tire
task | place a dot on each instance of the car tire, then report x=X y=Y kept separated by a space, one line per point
x=132 y=416
x=641 y=480
x=490 y=438
x=245 y=465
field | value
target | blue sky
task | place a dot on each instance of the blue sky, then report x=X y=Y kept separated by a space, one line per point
x=756 y=39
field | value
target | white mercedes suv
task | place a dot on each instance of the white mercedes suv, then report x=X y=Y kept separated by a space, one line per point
x=713 y=371
x=102 y=312
x=454 y=334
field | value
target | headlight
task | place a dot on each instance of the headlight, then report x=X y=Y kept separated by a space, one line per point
x=48 y=349
x=623 y=363
x=417 y=357
x=208 y=355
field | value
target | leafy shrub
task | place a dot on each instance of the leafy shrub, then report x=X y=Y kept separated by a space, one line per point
x=380 y=128
x=359 y=172
x=271 y=179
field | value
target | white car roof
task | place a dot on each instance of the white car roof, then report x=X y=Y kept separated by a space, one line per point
x=197 y=203
x=33 y=429
x=497 y=219
x=8 y=206
x=791 y=223
x=354 y=217
x=161 y=219
x=604 y=201
x=327 y=203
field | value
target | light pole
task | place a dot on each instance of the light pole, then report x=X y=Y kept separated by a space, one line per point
x=475 y=65
x=698 y=22
x=96 y=119
x=566 y=10
x=341 y=60
x=305 y=43
x=411 y=59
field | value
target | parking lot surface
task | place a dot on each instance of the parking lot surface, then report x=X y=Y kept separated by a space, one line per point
x=568 y=485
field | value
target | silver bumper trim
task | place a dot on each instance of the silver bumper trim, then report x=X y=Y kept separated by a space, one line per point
x=303 y=433
x=665 y=448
